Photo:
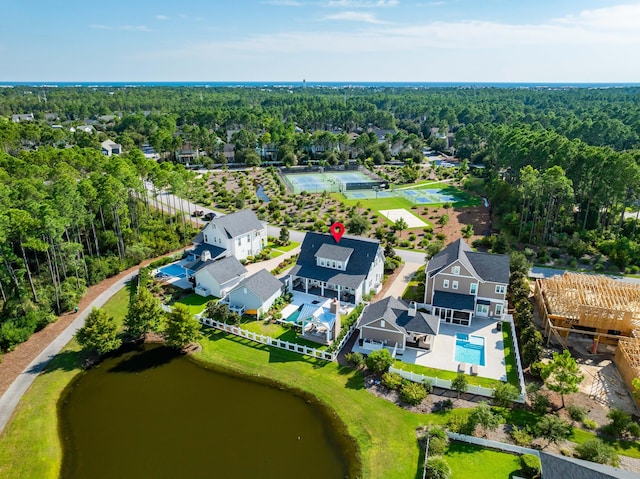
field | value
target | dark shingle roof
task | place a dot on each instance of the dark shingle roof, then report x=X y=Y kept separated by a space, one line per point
x=214 y=250
x=238 y=223
x=224 y=269
x=554 y=465
x=486 y=266
x=491 y=267
x=357 y=268
x=262 y=283
x=334 y=252
x=395 y=312
x=445 y=299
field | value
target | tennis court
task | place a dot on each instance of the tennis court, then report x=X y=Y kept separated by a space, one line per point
x=330 y=181
x=415 y=196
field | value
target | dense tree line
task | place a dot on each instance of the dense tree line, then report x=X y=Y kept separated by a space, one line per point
x=69 y=218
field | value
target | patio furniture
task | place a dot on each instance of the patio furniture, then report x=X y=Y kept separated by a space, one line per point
x=474 y=369
x=462 y=367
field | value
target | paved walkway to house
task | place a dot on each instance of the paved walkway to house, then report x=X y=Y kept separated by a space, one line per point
x=402 y=280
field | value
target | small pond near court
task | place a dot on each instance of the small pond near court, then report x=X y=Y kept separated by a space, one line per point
x=151 y=413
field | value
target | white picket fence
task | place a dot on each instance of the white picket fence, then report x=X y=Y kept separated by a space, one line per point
x=516 y=352
x=501 y=446
x=268 y=340
x=440 y=383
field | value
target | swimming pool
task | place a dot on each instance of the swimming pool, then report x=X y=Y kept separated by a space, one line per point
x=174 y=270
x=293 y=317
x=469 y=349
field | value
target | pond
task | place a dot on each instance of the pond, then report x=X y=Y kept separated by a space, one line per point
x=262 y=196
x=151 y=413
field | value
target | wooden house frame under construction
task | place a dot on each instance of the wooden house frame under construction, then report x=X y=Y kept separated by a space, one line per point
x=592 y=305
x=627 y=360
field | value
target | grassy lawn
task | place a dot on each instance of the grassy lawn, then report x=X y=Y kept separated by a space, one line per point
x=415 y=289
x=469 y=460
x=442 y=374
x=510 y=359
x=279 y=332
x=289 y=247
x=195 y=303
x=29 y=445
x=118 y=305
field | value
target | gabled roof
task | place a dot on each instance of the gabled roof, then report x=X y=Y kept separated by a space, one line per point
x=395 y=312
x=554 y=465
x=224 y=270
x=359 y=265
x=486 y=266
x=263 y=284
x=238 y=223
x=334 y=252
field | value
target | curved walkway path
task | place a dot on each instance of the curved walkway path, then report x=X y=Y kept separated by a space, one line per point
x=32 y=356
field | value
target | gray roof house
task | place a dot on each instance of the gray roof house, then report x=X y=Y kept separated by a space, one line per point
x=109 y=148
x=392 y=324
x=255 y=294
x=462 y=283
x=22 y=117
x=216 y=278
x=240 y=234
x=555 y=465
x=347 y=270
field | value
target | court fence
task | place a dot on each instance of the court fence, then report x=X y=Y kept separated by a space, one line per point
x=323 y=180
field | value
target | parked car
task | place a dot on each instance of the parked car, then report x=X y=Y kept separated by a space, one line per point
x=197 y=213
x=209 y=216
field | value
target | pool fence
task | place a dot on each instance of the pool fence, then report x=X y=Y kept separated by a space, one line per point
x=440 y=383
x=500 y=446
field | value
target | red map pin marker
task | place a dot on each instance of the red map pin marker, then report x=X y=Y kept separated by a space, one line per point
x=337 y=230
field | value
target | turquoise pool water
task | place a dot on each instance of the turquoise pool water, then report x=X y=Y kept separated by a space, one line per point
x=174 y=270
x=469 y=349
x=293 y=317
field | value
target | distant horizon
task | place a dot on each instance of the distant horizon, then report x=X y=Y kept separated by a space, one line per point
x=303 y=83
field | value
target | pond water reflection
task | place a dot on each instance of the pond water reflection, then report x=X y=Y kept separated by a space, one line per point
x=150 y=413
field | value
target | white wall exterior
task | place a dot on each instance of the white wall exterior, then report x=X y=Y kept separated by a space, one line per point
x=250 y=243
x=247 y=298
x=206 y=280
x=373 y=281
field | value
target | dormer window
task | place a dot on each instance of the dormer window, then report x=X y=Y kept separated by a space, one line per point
x=456 y=270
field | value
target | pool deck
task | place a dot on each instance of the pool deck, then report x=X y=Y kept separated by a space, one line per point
x=442 y=353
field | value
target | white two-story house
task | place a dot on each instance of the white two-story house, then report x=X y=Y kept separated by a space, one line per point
x=462 y=283
x=239 y=234
x=347 y=269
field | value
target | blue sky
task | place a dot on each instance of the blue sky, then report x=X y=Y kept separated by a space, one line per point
x=321 y=40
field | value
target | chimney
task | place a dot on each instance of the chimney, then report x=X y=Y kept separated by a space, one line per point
x=336 y=324
x=205 y=256
x=413 y=309
x=334 y=307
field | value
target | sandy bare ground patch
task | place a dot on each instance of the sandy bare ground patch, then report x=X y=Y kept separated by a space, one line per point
x=412 y=220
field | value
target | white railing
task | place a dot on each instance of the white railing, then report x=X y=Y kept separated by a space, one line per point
x=516 y=352
x=501 y=446
x=268 y=340
x=440 y=383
